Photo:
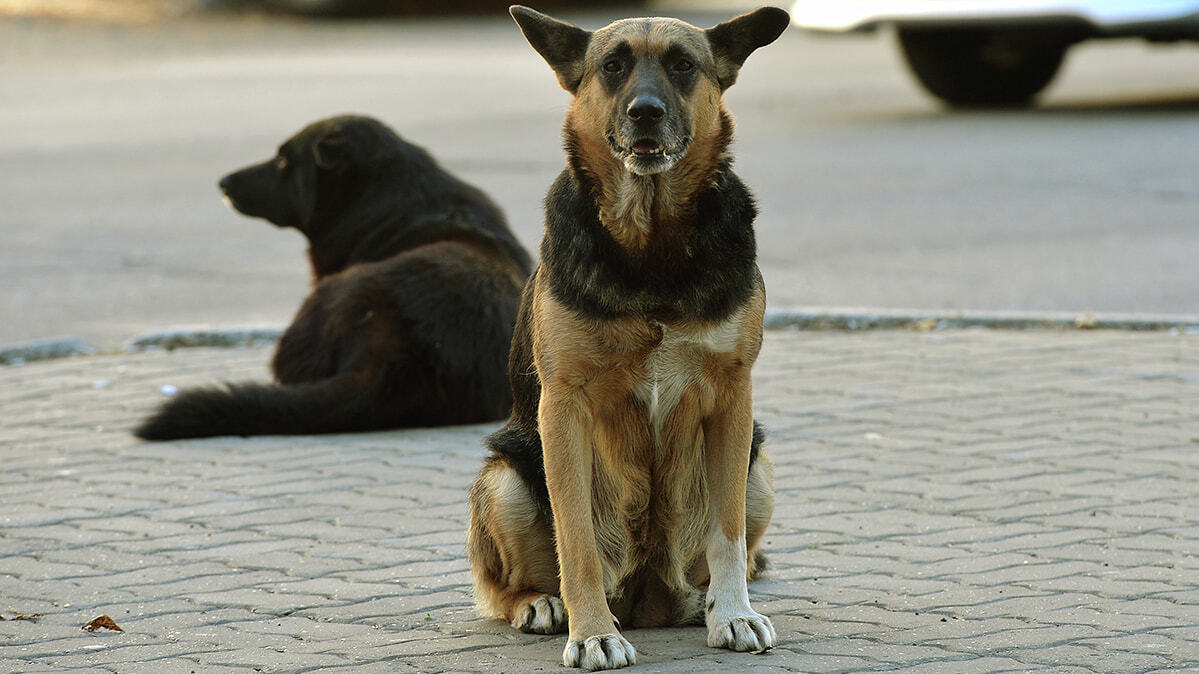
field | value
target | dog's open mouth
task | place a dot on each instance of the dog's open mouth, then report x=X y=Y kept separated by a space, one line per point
x=646 y=155
x=647 y=148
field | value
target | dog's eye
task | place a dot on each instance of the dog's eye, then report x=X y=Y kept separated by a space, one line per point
x=281 y=163
x=683 y=66
x=613 y=66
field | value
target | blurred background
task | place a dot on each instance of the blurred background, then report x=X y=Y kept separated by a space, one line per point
x=117 y=118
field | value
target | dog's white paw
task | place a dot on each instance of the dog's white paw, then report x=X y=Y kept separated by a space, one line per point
x=544 y=615
x=749 y=632
x=602 y=651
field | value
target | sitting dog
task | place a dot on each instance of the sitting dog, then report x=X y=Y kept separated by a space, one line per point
x=417 y=283
x=630 y=476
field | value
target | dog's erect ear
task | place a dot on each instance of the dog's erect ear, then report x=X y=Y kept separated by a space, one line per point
x=734 y=40
x=330 y=151
x=561 y=44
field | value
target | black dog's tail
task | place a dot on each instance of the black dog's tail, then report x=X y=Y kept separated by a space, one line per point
x=328 y=406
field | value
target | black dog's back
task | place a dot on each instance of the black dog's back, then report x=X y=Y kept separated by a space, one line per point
x=395 y=197
x=410 y=321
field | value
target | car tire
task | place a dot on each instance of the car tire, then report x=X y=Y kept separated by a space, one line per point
x=975 y=67
x=324 y=7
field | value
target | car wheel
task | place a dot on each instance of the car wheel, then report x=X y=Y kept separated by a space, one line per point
x=972 y=67
x=324 y=7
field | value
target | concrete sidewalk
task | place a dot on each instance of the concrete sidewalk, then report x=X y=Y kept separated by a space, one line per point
x=954 y=501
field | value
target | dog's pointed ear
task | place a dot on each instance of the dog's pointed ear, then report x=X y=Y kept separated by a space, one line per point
x=330 y=151
x=561 y=44
x=734 y=40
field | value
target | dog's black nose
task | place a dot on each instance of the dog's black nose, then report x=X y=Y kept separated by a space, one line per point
x=646 y=108
x=224 y=184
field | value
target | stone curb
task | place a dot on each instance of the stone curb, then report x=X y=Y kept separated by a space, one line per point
x=839 y=318
x=44 y=349
x=177 y=338
x=780 y=318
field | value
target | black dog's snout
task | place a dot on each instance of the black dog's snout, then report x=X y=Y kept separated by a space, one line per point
x=225 y=184
x=646 y=108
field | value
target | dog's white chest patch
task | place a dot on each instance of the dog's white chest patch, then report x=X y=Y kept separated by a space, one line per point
x=677 y=362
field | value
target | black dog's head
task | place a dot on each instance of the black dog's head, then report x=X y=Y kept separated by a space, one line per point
x=321 y=169
x=648 y=88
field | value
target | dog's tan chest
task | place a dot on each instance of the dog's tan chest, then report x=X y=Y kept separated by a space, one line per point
x=678 y=363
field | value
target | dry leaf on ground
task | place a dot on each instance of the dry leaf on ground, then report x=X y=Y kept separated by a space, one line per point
x=17 y=615
x=102 y=623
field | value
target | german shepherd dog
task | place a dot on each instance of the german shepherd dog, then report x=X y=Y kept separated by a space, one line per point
x=629 y=475
x=417 y=283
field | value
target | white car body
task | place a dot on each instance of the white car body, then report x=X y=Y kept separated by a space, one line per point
x=1122 y=17
x=973 y=53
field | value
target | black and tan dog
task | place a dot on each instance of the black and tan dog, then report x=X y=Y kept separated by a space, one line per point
x=417 y=283
x=629 y=475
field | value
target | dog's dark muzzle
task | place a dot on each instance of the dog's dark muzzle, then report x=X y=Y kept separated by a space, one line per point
x=258 y=192
x=646 y=110
x=647 y=138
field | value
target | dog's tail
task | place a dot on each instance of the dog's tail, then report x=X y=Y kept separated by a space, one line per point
x=327 y=406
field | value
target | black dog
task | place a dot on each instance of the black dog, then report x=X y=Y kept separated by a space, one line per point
x=417 y=286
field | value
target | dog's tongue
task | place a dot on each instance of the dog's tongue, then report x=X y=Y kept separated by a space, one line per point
x=646 y=146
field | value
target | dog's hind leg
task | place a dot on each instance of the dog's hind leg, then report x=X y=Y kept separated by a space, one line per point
x=759 y=506
x=305 y=352
x=511 y=549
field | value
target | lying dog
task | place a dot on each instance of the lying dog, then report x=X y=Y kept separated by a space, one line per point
x=417 y=285
x=630 y=475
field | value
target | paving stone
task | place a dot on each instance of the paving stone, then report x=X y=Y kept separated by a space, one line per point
x=175 y=665
x=969 y=665
x=1036 y=491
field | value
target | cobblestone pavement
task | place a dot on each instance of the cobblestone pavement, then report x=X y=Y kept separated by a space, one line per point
x=956 y=501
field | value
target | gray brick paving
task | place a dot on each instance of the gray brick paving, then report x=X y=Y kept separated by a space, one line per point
x=953 y=501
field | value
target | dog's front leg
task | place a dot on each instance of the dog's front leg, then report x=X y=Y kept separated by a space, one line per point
x=731 y=622
x=567 y=439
